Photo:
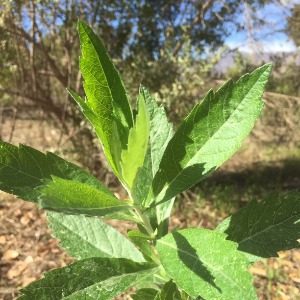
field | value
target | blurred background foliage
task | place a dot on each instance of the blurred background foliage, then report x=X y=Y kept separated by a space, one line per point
x=170 y=46
x=179 y=49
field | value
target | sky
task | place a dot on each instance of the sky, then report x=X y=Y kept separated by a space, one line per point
x=269 y=38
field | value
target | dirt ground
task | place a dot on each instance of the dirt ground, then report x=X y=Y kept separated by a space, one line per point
x=27 y=248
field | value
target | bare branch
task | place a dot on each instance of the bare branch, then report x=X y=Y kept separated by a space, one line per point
x=40 y=46
x=198 y=19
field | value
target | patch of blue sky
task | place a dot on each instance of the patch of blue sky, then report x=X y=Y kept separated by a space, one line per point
x=269 y=37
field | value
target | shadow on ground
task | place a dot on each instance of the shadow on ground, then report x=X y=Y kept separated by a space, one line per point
x=231 y=190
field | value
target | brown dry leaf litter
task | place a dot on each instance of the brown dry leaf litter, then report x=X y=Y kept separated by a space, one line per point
x=26 y=246
x=27 y=250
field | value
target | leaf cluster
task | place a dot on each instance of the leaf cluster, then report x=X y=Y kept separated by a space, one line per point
x=154 y=164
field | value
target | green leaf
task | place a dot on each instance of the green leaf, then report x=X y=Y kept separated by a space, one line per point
x=161 y=132
x=111 y=147
x=169 y=292
x=141 y=240
x=75 y=197
x=145 y=294
x=86 y=237
x=210 y=134
x=133 y=157
x=92 y=278
x=159 y=217
x=23 y=169
x=87 y=111
x=163 y=213
x=203 y=263
x=261 y=229
x=53 y=182
x=106 y=96
x=89 y=114
x=123 y=215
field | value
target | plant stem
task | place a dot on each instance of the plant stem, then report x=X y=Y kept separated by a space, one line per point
x=145 y=220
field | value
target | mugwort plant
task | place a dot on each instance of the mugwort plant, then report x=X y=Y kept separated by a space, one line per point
x=154 y=163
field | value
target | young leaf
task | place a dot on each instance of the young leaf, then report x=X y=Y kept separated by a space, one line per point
x=133 y=157
x=203 y=263
x=106 y=96
x=161 y=132
x=210 y=134
x=53 y=182
x=112 y=146
x=91 y=279
x=86 y=237
x=79 y=198
x=261 y=229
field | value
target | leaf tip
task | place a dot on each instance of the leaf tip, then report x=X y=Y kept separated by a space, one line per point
x=264 y=69
x=81 y=25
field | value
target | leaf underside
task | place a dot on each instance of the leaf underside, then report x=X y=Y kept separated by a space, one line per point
x=93 y=278
x=85 y=237
x=106 y=105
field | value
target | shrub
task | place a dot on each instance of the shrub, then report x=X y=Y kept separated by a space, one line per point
x=154 y=164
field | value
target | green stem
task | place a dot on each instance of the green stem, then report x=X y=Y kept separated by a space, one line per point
x=145 y=220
